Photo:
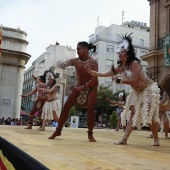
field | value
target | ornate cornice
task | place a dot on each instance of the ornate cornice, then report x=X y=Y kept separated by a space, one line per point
x=153 y=1
x=24 y=56
x=166 y=3
x=148 y=57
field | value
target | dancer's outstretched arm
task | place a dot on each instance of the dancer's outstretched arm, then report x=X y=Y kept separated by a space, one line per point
x=38 y=81
x=99 y=74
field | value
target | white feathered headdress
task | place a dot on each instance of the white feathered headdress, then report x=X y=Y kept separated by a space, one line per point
x=48 y=74
x=121 y=94
x=125 y=43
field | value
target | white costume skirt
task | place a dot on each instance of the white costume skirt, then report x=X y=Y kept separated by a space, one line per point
x=49 y=107
x=146 y=105
x=167 y=113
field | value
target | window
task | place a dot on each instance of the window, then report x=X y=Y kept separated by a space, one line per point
x=108 y=64
x=141 y=42
x=58 y=89
x=144 y=67
x=143 y=53
x=97 y=48
x=57 y=75
x=110 y=49
x=135 y=52
x=42 y=61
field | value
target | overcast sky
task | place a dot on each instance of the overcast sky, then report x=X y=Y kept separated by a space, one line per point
x=66 y=21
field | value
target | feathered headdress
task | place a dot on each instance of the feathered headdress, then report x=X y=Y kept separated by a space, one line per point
x=121 y=94
x=125 y=43
x=49 y=74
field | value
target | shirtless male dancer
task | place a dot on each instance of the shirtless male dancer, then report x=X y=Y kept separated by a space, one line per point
x=85 y=93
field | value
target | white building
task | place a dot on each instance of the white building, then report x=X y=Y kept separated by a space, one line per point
x=106 y=40
x=48 y=60
x=12 y=65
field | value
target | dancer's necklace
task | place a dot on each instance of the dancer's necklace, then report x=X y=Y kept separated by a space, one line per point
x=83 y=62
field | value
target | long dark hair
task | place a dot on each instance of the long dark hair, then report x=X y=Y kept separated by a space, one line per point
x=89 y=46
x=54 y=82
x=43 y=79
x=160 y=91
x=131 y=52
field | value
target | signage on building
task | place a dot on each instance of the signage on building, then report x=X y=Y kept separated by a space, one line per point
x=167 y=51
x=6 y=101
x=74 y=121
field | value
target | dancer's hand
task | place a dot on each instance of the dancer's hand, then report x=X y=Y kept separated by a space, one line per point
x=35 y=78
x=91 y=72
x=23 y=96
x=61 y=64
x=114 y=78
x=78 y=89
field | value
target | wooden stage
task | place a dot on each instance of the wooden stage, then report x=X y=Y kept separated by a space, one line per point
x=72 y=151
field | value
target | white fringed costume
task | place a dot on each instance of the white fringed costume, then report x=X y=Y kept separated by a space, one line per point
x=146 y=103
x=49 y=107
x=167 y=114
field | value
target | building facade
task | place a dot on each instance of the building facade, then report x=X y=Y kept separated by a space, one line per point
x=48 y=60
x=106 y=40
x=12 y=64
x=159 y=51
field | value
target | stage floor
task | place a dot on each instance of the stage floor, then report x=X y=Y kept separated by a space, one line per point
x=72 y=151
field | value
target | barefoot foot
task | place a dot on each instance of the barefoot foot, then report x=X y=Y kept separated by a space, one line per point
x=167 y=137
x=156 y=142
x=150 y=136
x=123 y=141
x=39 y=128
x=90 y=137
x=28 y=127
x=42 y=129
x=56 y=133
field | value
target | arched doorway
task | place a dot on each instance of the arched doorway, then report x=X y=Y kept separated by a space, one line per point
x=166 y=85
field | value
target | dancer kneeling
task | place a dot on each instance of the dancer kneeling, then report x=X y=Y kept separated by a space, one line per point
x=143 y=99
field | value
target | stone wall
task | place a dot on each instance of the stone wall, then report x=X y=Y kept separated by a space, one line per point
x=12 y=65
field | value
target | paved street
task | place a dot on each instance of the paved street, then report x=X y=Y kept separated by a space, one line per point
x=72 y=151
